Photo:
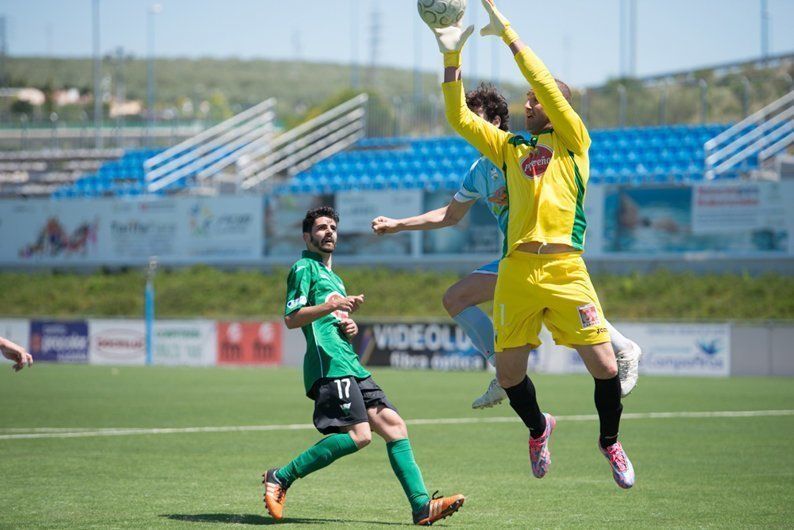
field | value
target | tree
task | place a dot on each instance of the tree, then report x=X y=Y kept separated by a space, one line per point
x=22 y=107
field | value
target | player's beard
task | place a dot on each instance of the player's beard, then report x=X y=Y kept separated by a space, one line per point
x=535 y=123
x=318 y=243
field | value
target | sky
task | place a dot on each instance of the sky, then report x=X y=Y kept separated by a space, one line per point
x=578 y=39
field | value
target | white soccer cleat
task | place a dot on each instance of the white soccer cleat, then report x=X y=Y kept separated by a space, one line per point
x=493 y=396
x=629 y=367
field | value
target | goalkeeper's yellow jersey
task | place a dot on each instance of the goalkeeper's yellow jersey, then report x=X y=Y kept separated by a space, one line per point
x=546 y=174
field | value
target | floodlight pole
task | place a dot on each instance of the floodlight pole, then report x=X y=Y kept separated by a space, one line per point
x=764 y=30
x=154 y=9
x=97 y=80
x=149 y=309
x=355 y=74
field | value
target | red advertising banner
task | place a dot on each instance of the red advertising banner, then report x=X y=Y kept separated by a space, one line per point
x=257 y=343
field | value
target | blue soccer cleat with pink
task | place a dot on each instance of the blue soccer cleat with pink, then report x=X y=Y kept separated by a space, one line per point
x=539 y=454
x=622 y=470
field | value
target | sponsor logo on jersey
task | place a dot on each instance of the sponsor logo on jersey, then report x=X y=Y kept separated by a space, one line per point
x=338 y=314
x=499 y=197
x=297 y=302
x=537 y=161
x=588 y=315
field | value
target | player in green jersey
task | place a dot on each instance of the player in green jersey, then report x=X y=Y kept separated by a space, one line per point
x=348 y=404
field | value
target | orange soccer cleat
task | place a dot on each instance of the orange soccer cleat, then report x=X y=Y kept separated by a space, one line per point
x=437 y=509
x=275 y=494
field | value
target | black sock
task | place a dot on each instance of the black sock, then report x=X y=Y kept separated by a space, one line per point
x=523 y=400
x=607 y=402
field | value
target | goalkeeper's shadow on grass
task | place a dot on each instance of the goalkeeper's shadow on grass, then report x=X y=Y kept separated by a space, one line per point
x=247 y=518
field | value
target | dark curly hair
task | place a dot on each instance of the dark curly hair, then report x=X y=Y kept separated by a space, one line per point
x=492 y=102
x=313 y=214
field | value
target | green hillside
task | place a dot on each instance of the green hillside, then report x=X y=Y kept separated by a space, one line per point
x=230 y=85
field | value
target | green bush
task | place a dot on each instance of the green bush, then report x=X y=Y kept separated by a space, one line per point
x=212 y=293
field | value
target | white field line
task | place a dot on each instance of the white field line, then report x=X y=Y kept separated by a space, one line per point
x=66 y=432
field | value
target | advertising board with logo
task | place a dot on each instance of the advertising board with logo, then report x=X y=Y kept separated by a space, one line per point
x=422 y=345
x=750 y=216
x=284 y=222
x=668 y=349
x=59 y=341
x=139 y=229
x=735 y=218
x=117 y=342
x=357 y=209
x=249 y=342
x=184 y=342
x=223 y=227
x=44 y=231
x=476 y=233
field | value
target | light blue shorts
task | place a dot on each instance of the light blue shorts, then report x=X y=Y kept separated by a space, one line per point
x=490 y=268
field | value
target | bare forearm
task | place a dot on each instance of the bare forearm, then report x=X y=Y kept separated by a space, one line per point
x=517 y=46
x=452 y=74
x=8 y=346
x=306 y=315
x=427 y=221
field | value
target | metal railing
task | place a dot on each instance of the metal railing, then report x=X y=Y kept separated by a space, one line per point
x=305 y=145
x=762 y=134
x=210 y=151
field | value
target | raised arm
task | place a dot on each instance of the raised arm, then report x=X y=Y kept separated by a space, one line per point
x=485 y=137
x=448 y=215
x=566 y=122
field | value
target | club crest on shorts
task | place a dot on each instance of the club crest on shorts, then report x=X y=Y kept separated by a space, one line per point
x=537 y=161
x=588 y=315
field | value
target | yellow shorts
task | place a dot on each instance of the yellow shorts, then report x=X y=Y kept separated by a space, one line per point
x=554 y=289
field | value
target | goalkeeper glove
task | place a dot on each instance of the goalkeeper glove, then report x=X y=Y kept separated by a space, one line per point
x=498 y=25
x=450 y=42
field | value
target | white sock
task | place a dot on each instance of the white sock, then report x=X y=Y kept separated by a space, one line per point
x=619 y=342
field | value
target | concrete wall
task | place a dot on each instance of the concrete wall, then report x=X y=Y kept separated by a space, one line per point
x=294 y=347
x=762 y=349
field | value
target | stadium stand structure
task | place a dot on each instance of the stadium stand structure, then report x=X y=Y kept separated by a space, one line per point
x=618 y=156
x=757 y=139
x=330 y=153
x=242 y=153
x=41 y=172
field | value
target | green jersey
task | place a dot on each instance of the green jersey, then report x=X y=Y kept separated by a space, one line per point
x=328 y=352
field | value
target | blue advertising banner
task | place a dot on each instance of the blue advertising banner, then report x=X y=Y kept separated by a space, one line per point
x=59 y=341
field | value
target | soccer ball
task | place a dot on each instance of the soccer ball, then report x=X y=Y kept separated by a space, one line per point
x=441 y=13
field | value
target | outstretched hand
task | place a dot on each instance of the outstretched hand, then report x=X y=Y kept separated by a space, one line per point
x=498 y=24
x=16 y=353
x=453 y=38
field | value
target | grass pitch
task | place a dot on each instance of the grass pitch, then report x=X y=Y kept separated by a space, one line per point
x=691 y=471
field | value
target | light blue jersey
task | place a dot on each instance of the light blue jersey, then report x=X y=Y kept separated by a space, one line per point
x=487 y=182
